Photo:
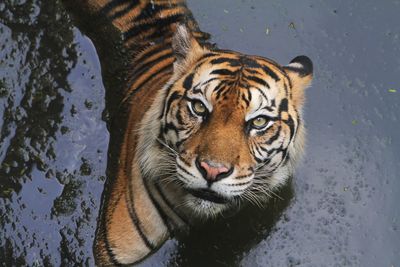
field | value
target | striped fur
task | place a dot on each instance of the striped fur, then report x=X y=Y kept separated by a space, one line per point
x=160 y=187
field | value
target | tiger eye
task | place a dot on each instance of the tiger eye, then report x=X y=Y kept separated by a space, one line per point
x=199 y=108
x=259 y=122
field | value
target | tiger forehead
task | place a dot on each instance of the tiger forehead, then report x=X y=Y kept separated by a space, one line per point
x=250 y=80
x=239 y=65
x=239 y=71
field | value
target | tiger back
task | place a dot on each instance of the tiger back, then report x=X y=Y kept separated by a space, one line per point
x=207 y=130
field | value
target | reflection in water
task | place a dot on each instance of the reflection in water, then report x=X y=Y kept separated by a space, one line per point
x=37 y=56
x=53 y=142
x=52 y=139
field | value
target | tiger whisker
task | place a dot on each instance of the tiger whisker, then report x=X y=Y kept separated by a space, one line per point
x=167 y=146
x=260 y=187
x=249 y=196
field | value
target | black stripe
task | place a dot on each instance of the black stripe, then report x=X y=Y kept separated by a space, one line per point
x=253 y=71
x=185 y=171
x=270 y=72
x=257 y=80
x=107 y=8
x=180 y=142
x=290 y=123
x=232 y=61
x=263 y=149
x=264 y=164
x=145 y=67
x=179 y=116
x=168 y=89
x=286 y=160
x=220 y=89
x=175 y=95
x=286 y=91
x=252 y=151
x=224 y=72
x=207 y=55
x=168 y=66
x=188 y=82
x=242 y=176
x=262 y=93
x=152 y=9
x=202 y=59
x=239 y=184
x=170 y=127
x=284 y=152
x=275 y=151
x=169 y=204
x=155 y=24
x=225 y=92
x=275 y=137
x=135 y=219
x=129 y=7
x=249 y=62
x=197 y=89
x=283 y=106
x=245 y=100
x=242 y=84
x=268 y=108
x=158 y=208
x=258 y=150
x=248 y=98
x=162 y=34
x=259 y=160
x=151 y=51
x=210 y=80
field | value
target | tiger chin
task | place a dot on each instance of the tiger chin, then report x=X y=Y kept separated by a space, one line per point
x=208 y=130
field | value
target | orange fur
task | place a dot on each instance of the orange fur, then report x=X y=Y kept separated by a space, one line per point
x=160 y=186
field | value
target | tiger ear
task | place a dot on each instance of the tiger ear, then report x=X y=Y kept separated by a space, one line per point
x=300 y=72
x=185 y=47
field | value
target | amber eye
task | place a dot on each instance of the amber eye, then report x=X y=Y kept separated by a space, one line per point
x=199 y=108
x=259 y=122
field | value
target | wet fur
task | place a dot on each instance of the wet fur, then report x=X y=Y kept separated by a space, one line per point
x=148 y=201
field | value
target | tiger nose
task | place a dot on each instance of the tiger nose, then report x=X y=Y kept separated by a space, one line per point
x=213 y=171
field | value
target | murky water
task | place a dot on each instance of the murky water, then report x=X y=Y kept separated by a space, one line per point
x=341 y=208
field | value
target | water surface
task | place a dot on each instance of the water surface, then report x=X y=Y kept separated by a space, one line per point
x=340 y=209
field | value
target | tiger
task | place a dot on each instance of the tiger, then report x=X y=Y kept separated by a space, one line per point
x=208 y=129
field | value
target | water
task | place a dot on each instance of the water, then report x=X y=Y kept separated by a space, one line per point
x=339 y=210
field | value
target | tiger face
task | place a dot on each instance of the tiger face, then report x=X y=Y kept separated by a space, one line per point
x=233 y=122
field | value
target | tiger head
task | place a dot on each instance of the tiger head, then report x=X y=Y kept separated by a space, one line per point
x=230 y=125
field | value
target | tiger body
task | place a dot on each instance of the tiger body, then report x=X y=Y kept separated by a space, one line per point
x=207 y=129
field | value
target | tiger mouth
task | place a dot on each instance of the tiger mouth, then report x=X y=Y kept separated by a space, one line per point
x=208 y=195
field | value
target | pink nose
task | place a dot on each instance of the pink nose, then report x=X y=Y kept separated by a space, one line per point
x=212 y=172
